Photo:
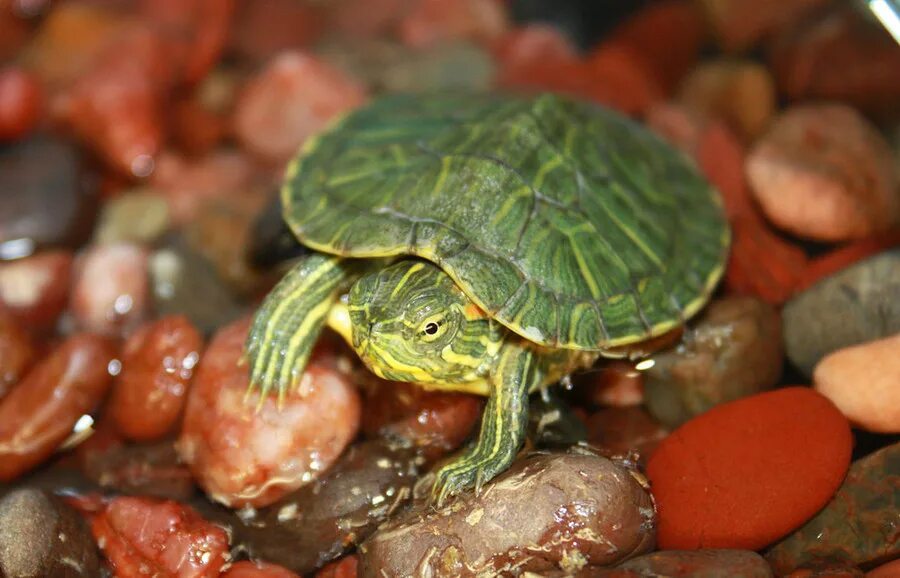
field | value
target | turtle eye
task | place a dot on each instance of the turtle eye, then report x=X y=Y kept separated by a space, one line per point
x=433 y=328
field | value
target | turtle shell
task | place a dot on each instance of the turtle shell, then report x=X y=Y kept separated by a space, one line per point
x=568 y=223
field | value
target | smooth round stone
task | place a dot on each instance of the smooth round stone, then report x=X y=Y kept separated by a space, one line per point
x=42 y=536
x=139 y=216
x=858 y=304
x=824 y=172
x=46 y=197
x=863 y=381
x=748 y=472
x=732 y=352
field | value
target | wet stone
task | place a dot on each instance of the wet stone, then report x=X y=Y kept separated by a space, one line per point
x=139 y=216
x=17 y=352
x=523 y=519
x=20 y=103
x=35 y=290
x=47 y=199
x=184 y=283
x=858 y=526
x=700 y=564
x=42 y=536
x=321 y=521
x=141 y=470
x=623 y=430
x=852 y=306
x=733 y=351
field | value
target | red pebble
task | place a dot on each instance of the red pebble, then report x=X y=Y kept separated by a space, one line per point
x=435 y=421
x=157 y=365
x=248 y=569
x=739 y=24
x=110 y=291
x=346 y=567
x=620 y=78
x=761 y=263
x=35 y=290
x=841 y=258
x=290 y=100
x=142 y=537
x=189 y=184
x=263 y=28
x=668 y=35
x=618 y=384
x=521 y=49
x=748 y=472
x=431 y=22
x=39 y=413
x=16 y=352
x=197 y=30
x=196 y=129
x=243 y=455
x=116 y=107
x=20 y=103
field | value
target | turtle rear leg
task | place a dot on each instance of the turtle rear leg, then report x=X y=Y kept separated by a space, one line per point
x=289 y=321
x=502 y=425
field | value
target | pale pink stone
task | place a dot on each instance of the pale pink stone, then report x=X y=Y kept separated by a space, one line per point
x=243 y=455
x=293 y=98
x=863 y=381
x=35 y=289
x=110 y=291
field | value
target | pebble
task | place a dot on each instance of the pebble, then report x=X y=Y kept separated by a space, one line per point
x=533 y=42
x=741 y=92
x=42 y=536
x=69 y=39
x=346 y=567
x=889 y=570
x=862 y=381
x=247 y=569
x=838 y=55
x=668 y=35
x=434 y=422
x=858 y=526
x=143 y=536
x=460 y=65
x=732 y=351
x=17 y=352
x=431 y=22
x=263 y=28
x=620 y=431
x=35 y=290
x=539 y=515
x=621 y=79
x=788 y=449
x=116 y=108
x=14 y=34
x=292 y=98
x=846 y=255
x=858 y=304
x=617 y=384
x=762 y=263
x=739 y=24
x=823 y=172
x=20 y=103
x=41 y=411
x=185 y=283
x=326 y=518
x=137 y=216
x=188 y=184
x=158 y=363
x=699 y=564
x=197 y=31
x=245 y=456
x=149 y=470
x=109 y=292
x=48 y=198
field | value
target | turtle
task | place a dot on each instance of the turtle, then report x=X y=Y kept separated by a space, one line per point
x=487 y=243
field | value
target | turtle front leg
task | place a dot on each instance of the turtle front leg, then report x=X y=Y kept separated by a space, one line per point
x=503 y=425
x=289 y=322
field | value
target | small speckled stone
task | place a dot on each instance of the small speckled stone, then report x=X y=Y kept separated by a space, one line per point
x=732 y=352
x=40 y=536
x=857 y=304
x=700 y=564
x=139 y=216
x=858 y=526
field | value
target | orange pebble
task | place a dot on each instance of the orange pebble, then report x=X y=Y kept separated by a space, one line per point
x=748 y=472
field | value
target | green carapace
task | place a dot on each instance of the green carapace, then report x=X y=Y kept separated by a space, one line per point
x=490 y=244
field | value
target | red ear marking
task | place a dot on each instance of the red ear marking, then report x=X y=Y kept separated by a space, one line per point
x=474 y=312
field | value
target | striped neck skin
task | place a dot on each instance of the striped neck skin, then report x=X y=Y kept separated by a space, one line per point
x=410 y=322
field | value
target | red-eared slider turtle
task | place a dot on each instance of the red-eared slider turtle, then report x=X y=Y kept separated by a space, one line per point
x=487 y=244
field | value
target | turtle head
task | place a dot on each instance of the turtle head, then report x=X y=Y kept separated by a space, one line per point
x=411 y=322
